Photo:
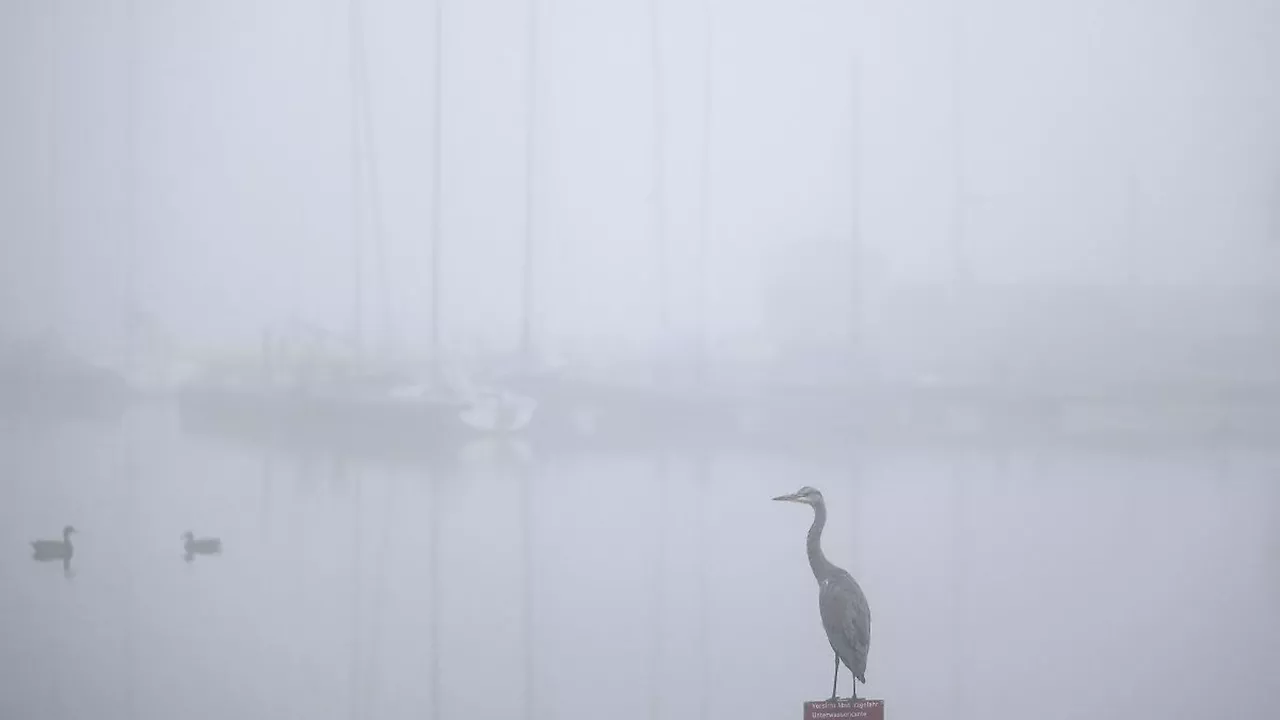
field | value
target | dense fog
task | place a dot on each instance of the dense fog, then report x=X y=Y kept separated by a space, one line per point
x=481 y=334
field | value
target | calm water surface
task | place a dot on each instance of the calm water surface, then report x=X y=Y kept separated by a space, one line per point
x=1014 y=583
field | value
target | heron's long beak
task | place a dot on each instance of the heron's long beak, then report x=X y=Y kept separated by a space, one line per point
x=787 y=498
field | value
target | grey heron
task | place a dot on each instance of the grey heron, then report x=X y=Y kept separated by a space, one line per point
x=845 y=614
x=200 y=546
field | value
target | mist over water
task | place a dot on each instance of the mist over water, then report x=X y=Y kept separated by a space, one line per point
x=482 y=334
x=1033 y=582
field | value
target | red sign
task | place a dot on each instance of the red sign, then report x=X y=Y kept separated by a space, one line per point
x=844 y=710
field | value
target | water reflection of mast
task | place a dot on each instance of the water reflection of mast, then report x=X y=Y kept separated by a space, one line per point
x=128 y=469
x=353 y=682
x=958 y=618
x=264 y=510
x=379 y=593
x=702 y=479
x=306 y=481
x=659 y=586
x=434 y=521
x=526 y=484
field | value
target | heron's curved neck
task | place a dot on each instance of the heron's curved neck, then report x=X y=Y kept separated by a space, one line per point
x=817 y=560
x=66 y=537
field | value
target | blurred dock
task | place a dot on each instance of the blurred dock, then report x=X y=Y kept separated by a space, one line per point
x=581 y=419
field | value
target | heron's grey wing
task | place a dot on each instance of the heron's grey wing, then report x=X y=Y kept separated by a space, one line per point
x=846 y=617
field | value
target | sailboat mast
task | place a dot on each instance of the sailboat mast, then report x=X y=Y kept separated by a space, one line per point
x=364 y=104
x=658 y=203
x=531 y=96
x=959 y=230
x=855 y=199
x=357 y=255
x=53 y=298
x=130 y=274
x=437 y=193
x=704 y=238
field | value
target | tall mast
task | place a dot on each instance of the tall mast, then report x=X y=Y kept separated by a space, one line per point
x=961 y=260
x=531 y=96
x=858 y=296
x=704 y=238
x=357 y=255
x=364 y=159
x=437 y=193
x=658 y=202
x=54 y=300
x=364 y=103
x=131 y=225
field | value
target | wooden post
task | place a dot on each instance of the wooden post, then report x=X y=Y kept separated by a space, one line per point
x=859 y=709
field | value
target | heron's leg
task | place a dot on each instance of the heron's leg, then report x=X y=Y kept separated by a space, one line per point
x=835 y=678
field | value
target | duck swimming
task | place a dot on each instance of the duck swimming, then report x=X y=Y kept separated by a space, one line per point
x=200 y=546
x=47 y=550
